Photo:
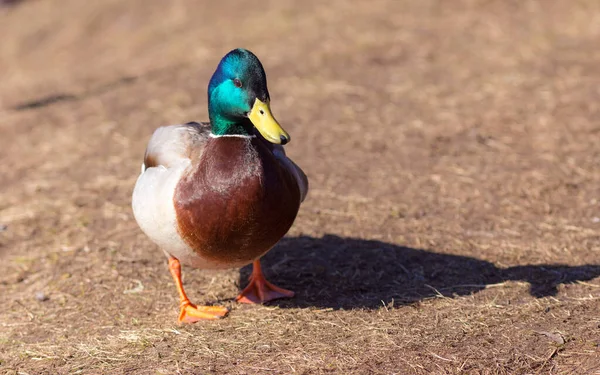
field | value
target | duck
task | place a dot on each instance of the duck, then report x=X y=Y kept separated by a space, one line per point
x=221 y=194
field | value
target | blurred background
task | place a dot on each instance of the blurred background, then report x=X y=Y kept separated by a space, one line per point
x=452 y=149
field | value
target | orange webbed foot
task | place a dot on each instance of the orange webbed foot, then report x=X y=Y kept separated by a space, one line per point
x=259 y=290
x=191 y=313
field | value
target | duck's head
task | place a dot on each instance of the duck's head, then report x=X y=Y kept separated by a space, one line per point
x=238 y=99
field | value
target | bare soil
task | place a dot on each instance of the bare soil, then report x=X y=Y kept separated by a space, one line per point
x=453 y=222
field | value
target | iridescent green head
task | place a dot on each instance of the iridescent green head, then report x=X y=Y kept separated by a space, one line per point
x=238 y=99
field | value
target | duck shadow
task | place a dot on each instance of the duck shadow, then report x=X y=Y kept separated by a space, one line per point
x=342 y=273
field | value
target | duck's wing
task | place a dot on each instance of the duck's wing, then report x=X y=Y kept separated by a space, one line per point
x=288 y=164
x=170 y=145
x=170 y=152
x=293 y=169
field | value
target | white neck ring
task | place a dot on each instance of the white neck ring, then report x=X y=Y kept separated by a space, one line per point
x=212 y=135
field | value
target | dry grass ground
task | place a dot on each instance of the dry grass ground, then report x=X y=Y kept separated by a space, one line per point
x=453 y=151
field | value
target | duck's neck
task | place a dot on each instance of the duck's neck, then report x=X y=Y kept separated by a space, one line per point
x=224 y=126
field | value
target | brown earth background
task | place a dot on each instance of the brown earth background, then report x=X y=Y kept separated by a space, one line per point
x=453 y=222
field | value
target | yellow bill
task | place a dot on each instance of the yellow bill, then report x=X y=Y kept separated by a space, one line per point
x=263 y=120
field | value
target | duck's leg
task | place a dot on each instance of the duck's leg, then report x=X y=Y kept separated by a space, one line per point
x=259 y=290
x=191 y=313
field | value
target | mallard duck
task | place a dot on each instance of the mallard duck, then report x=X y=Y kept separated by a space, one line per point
x=221 y=194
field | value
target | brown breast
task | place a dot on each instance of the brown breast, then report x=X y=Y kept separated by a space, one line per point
x=237 y=203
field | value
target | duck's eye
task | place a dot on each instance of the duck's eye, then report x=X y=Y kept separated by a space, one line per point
x=237 y=82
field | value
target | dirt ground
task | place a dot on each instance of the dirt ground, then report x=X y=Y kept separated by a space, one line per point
x=453 y=222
